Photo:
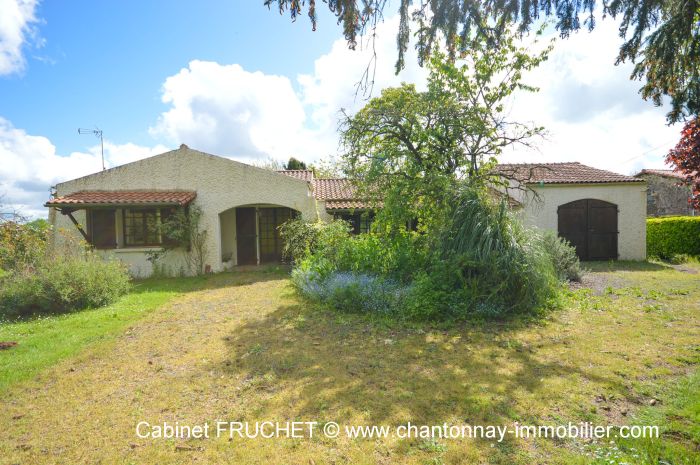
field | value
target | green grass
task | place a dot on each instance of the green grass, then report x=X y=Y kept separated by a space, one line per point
x=678 y=418
x=44 y=341
x=243 y=346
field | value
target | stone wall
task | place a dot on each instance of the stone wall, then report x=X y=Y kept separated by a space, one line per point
x=665 y=197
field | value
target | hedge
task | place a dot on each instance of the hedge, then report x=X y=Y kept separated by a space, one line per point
x=673 y=235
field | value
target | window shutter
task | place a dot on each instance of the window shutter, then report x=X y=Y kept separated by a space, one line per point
x=102 y=228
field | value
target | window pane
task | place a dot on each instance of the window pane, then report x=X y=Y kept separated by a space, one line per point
x=141 y=227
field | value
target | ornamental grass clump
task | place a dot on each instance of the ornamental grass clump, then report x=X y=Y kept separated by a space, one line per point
x=497 y=265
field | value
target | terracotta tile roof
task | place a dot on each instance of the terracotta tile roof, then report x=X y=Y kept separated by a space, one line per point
x=333 y=188
x=561 y=173
x=339 y=193
x=92 y=198
x=664 y=173
x=306 y=175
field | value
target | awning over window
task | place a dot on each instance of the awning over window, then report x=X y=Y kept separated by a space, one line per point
x=84 y=199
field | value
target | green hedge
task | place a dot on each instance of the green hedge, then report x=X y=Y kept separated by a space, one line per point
x=673 y=235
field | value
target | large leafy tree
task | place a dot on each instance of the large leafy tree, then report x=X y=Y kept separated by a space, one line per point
x=408 y=148
x=685 y=157
x=662 y=37
x=294 y=164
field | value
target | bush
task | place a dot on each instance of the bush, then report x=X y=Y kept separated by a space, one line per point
x=22 y=245
x=62 y=285
x=480 y=261
x=397 y=256
x=302 y=238
x=670 y=236
x=352 y=292
x=563 y=255
x=498 y=265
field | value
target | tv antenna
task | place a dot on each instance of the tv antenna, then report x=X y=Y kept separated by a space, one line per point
x=97 y=132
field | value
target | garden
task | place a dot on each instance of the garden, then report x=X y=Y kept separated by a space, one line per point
x=445 y=244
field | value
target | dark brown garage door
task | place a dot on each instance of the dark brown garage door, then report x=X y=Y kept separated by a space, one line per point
x=591 y=226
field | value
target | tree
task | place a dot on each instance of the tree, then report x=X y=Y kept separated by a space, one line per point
x=269 y=164
x=662 y=37
x=409 y=148
x=294 y=164
x=685 y=158
x=326 y=168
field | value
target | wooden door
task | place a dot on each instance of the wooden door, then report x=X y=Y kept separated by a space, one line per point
x=246 y=238
x=270 y=241
x=591 y=227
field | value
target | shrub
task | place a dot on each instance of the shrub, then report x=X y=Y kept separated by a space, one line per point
x=303 y=238
x=480 y=261
x=677 y=235
x=22 y=245
x=563 y=255
x=63 y=284
x=498 y=264
x=352 y=292
x=397 y=256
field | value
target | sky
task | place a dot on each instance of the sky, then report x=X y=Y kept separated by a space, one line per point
x=235 y=79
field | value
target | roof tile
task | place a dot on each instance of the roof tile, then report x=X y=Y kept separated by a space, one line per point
x=84 y=198
x=561 y=173
x=305 y=175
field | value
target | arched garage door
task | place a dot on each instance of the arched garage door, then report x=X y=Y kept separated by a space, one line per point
x=591 y=226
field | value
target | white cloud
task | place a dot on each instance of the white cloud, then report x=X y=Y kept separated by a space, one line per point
x=591 y=109
x=225 y=109
x=29 y=166
x=228 y=110
x=333 y=84
x=17 y=18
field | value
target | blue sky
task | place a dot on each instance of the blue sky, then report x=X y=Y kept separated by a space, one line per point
x=234 y=79
x=103 y=63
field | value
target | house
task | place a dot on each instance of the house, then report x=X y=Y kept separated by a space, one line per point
x=118 y=210
x=666 y=195
x=601 y=213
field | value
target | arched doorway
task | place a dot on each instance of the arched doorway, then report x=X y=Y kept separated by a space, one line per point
x=250 y=234
x=590 y=225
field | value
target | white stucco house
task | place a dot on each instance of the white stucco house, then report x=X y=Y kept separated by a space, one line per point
x=118 y=210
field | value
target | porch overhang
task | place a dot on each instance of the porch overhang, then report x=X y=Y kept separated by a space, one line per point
x=103 y=199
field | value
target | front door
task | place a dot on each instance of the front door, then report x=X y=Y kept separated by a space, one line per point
x=246 y=239
x=591 y=227
x=270 y=241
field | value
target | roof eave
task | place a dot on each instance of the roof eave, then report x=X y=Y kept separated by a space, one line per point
x=79 y=206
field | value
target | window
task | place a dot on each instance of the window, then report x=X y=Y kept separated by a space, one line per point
x=359 y=222
x=101 y=228
x=142 y=227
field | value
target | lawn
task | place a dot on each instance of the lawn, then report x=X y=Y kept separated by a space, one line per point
x=242 y=347
x=44 y=341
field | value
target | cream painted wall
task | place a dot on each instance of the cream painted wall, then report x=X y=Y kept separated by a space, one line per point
x=228 y=233
x=220 y=183
x=541 y=210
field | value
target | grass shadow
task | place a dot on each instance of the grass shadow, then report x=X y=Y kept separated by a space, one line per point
x=335 y=367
